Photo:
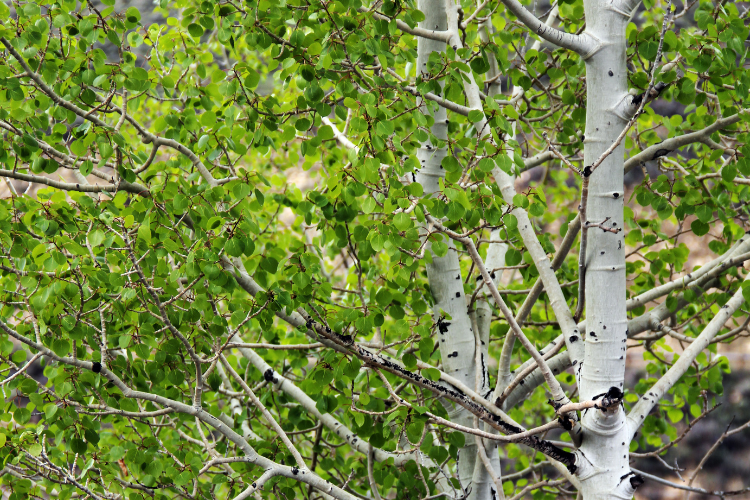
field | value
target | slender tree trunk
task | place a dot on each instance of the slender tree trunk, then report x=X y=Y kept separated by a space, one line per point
x=455 y=331
x=602 y=459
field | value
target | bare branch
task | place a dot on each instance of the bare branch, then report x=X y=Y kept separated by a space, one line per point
x=582 y=44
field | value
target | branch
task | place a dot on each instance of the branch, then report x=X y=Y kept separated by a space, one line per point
x=251 y=456
x=648 y=401
x=74 y=163
x=147 y=136
x=669 y=145
x=264 y=411
x=713 y=448
x=342 y=139
x=371 y=475
x=607 y=401
x=47 y=90
x=474 y=101
x=562 y=361
x=536 y=486
x=710 y=269
x=659 y=480
x=584 y=241
x=557 y=392
x=71 y=186
x=523 y=373
x=536 y=290
x=482 y=452
x=546 y=270
x=582 y=44
x=280 y=383
x=440 y=36
x=165 y=318
x=537 y=159
x=661 y=312
x=462 y=396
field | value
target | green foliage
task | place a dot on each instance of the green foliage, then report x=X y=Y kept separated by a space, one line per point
x=226 y=158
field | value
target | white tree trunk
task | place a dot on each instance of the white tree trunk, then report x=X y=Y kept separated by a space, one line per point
x=602 y=459
x=455 y=335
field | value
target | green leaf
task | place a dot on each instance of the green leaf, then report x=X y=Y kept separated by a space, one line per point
x=180 y=203
x=259 y=196
x=450 y=164
x=112 y=37
x=457 y=439
x=252 y=79
x=431 y=374
x=439 y=248
x=383 y=297
x=520 y=200
x=61 y=20
x=61 y=347
x=269 y=264
x=402 y=221
x=455 y=211
x=195 y=30
x=369 y=205
x=475 y=115
x=699 y=228
x=234 y=247
x=512 y=257
x=50 y=410
x=675 y=415
x=729 y=172
x=226 y=10
x=480 y=65
x=78 y=446
x=410 y=361
x=96 y=237
x=670 y=41
x=414 y=431
x=215 y=222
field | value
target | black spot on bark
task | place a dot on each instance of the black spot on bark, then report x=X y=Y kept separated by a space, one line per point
x=636 y=481
x=268 y=375
x=96 y=367
x=443 y=325
x=659 y=153
x=566 y=423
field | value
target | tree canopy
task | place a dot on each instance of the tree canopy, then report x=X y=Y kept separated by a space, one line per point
x=226 y=261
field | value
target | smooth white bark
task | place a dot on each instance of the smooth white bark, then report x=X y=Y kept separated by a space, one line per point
x=602 y=459
x=455 y=332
